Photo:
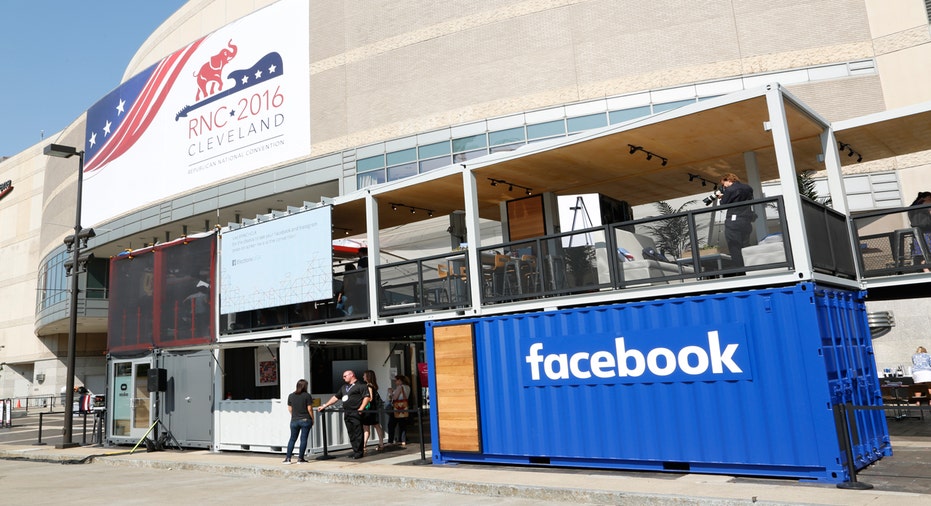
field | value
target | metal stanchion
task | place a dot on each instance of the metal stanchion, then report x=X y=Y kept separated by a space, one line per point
x=841 y=420
x=39 y=442
x=323 y=417
x=423 y=452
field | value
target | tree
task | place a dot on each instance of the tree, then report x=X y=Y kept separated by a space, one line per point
x=671 y=235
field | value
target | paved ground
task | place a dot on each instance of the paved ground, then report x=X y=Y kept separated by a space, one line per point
x=400 y=476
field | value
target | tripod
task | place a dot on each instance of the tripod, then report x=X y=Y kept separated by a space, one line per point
x=160 y=441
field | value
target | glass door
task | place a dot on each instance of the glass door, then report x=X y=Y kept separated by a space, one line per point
x=132 y=402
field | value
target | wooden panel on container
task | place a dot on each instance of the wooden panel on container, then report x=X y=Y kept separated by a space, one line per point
x=526 y=218
x=456 y=392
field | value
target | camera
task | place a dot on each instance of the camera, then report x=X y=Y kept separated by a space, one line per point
x=711 y=198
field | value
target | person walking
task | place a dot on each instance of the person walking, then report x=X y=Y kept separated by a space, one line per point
x=371 y=417
x=300 y=405
x=354 y=395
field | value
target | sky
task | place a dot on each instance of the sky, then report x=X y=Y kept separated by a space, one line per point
x=59 y=57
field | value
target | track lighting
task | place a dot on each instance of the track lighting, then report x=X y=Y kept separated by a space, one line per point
x=663 y=160
x=841 y=146
x=413 y=209
x=494 y=182
x=704 y=182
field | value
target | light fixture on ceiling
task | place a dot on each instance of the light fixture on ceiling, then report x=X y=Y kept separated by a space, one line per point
x=663 y=160
x=511 y=186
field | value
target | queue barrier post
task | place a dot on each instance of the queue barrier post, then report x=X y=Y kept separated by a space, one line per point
x=423 y=451
x=841 y=421
x=323 y=417
x=84 y=432
x=39 y=442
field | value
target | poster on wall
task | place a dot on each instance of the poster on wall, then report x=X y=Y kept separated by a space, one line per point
x=266 y=367
x=229 y=103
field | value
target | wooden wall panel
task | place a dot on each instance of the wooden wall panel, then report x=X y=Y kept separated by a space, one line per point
x=456 y=390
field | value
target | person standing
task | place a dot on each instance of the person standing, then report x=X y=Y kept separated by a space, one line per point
x=921 y=366
x=398 y=421
x=354 y=395
x=370 y=418
x=300 y=405
x=921 y=219
x=739 y=220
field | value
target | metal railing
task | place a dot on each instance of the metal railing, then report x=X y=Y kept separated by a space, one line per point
x=889 y=245
x=324 y=415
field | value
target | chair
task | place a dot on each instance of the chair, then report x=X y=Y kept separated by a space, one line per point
x=530 y=275
x=501 y=279
x=900 y=252
x=442 y=272
x=919 y=394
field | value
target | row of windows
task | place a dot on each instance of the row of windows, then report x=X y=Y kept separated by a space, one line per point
x=416 y=160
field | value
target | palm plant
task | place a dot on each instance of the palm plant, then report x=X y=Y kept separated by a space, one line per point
x=671 y=235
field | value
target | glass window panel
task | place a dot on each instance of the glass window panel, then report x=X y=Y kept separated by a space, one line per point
x=436 y=163
x=548 y=129
x=469 y=155
x=370 y=163
x=370 y=178
x=469 y=143
x=506 y=147
x=586 y=122
x=671 y=105
x=403 y=156
x=402 y=171
x=506 y=136
x=432 y=150
x=628 y=114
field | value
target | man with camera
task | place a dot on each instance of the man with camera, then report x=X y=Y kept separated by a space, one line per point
x=739 y=220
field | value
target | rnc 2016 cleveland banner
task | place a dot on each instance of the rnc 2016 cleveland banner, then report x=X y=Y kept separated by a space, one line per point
x=226 y=104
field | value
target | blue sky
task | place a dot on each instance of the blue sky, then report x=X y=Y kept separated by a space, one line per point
x=58 y=57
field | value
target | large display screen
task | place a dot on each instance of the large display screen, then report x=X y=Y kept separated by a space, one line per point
x=286 y=260
x=229 y=103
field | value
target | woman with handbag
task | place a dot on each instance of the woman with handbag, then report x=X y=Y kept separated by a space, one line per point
x=399 y=396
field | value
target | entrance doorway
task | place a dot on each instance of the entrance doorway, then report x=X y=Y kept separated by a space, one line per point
x=132 y=402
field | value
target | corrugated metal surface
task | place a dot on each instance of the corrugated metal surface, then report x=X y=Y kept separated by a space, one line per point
x=736 y=383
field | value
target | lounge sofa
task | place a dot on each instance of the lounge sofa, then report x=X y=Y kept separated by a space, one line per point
x=770 y=250
x=636 y=266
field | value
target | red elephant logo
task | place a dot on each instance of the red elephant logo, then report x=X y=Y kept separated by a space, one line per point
x=209 y=80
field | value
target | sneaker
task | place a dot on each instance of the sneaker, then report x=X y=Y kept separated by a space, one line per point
x=286 y=461
x=301 y=461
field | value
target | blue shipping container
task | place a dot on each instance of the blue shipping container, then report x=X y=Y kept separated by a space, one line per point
x=732 y=383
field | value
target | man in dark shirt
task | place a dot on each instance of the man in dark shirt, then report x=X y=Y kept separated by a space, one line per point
x=354 y=396
x=739 y=220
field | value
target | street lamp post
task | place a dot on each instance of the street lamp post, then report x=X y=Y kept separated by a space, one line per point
x=73 y=243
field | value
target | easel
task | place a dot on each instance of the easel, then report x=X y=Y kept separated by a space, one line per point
x=586 y=220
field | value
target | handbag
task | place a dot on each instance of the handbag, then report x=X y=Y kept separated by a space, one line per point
x=400 y=407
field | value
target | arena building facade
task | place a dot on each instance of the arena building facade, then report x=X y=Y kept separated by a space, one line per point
x=394 y=91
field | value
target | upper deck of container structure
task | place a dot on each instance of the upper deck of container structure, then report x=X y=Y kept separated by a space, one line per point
x=762 y=135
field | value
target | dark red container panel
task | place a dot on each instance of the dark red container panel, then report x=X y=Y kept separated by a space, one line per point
x=163 y=297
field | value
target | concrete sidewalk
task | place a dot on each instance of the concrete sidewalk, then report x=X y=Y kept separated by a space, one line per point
x=403 y=469
x=905 y=476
